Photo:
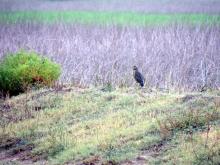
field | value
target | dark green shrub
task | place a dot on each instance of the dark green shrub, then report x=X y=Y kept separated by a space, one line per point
x=25 y=69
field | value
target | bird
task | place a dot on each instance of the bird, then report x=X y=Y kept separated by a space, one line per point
x=138 y=76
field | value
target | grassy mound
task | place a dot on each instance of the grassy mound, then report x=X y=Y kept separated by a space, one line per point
x=92 y=126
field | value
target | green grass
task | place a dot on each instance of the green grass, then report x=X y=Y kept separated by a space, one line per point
x=107 y=18
x=90 y=124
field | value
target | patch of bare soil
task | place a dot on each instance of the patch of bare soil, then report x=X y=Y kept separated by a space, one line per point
x=13 y=149
x=147 y=154
x=93 y=160
x=16 y=151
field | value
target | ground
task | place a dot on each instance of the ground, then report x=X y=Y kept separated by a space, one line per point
x=74 y=125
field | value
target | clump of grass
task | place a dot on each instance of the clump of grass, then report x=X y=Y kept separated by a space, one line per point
x=199 y=148
x=194 y=115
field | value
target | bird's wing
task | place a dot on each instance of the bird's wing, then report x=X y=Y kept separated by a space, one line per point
x=139 y=77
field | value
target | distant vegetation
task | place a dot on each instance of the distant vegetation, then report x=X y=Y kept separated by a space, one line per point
x=176 y=57
x=175 y=44
x=107 y=18
x=142 y=6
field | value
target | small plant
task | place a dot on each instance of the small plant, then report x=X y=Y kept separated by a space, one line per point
x=108 y=87
x=23 y=70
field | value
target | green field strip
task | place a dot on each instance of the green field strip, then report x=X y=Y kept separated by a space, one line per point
x=107 y=18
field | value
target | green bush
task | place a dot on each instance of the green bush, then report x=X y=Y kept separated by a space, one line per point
x=25 y=69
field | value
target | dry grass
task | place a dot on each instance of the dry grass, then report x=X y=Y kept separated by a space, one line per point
x=172 y=57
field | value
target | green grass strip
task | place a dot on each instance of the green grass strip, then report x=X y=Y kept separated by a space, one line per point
x=107 y=18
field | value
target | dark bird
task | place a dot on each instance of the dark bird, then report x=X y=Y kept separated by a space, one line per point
x=138 y=76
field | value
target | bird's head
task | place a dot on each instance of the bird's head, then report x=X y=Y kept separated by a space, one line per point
x=135 y=68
